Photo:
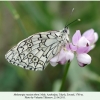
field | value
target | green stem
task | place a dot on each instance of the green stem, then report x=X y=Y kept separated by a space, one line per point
x=64 y=76
x=16 y=16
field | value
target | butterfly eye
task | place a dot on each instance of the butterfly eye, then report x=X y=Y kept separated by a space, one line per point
x=29 y=45
x=35 y=59
x=28 y=41
x=65 y=30
x=30 y=55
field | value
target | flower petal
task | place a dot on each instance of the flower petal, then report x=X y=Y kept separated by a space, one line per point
x=69 y=56
x=53 y=61
x=81 y=64
x=83 y=42
x=83 y=49
x=89 y=34
x=62 y=54
x=71 y=47
x=83 y=59
x=58 y=58
x=96 y=37
x=62 y=57
x=76 y=37
x=91 y=47
x=62 y=61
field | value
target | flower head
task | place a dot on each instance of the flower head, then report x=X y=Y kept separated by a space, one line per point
x=64 y=56
x=81 y=45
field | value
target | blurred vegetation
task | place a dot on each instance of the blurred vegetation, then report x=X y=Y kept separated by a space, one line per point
x=19 y=20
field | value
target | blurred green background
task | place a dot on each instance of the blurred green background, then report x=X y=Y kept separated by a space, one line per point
x=19 y=20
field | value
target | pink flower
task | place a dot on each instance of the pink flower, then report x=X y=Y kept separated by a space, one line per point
x=92 y=37
x=83 y=59
x=82 y=45
x=65 y=55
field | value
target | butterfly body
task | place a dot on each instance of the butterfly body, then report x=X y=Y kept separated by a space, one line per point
x=35 y=52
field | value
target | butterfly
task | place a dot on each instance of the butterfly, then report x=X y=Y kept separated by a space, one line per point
x=35 y=52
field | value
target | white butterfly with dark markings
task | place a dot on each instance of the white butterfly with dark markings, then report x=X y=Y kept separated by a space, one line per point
x=35 y=52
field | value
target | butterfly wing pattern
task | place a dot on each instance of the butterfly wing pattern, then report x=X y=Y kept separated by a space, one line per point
x=34 y=52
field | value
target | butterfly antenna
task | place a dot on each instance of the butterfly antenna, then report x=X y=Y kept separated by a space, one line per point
x=69 y=16
x=72 y=22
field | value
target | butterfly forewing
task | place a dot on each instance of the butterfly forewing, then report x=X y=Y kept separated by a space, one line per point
x=34 y=52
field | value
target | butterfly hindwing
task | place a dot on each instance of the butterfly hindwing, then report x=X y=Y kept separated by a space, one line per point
x=34 y=52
